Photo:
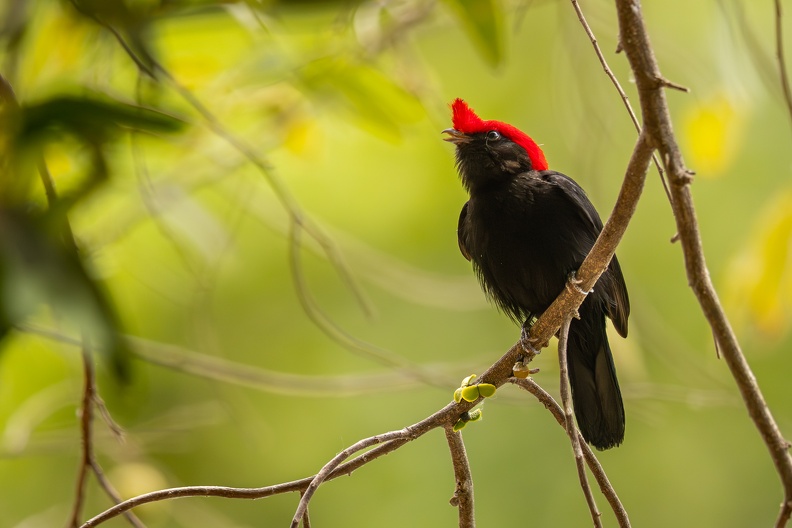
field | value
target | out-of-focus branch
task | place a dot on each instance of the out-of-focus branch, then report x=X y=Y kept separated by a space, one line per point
x=463 y=492
x=657 y=123
x=782 y=69
x=617 y=85
x=88 y=460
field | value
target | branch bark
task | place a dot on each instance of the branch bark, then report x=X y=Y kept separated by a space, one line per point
x=657 y=123
x=569 y=422
x=606 y=488
x=463 y=492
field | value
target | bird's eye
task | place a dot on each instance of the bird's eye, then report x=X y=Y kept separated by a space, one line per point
x=493 y=135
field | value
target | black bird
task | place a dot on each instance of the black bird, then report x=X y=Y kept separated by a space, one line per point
x=527 y=229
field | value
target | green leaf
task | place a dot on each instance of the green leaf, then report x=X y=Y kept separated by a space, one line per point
x=37 y=268
x=470 y=393
x=90 y=118
x=373 y=99
x=467 y=381
x=482 y=21
x=487 y=390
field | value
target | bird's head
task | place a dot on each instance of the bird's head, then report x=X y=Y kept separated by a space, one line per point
x=489 y=152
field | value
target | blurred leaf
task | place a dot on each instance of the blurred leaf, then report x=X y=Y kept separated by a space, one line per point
x=759 y=279
x=37 y=268
x=382 y=105
x=481 y=19
x=90 y=118
x=713 y=130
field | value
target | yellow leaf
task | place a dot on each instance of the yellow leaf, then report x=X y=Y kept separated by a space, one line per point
x=713 y=132
x=759 y=278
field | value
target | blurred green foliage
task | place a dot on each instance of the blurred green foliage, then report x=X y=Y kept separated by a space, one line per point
x=184 y=242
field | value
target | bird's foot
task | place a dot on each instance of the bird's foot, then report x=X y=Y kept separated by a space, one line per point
x=528 y=343
x=471 y=392
x=573 y=283
x=531 y=348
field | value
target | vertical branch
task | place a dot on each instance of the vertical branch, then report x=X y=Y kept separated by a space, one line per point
x=90 y=396
x=569 y=419
x=657 y=122
x=86 y=417
x=463 y=493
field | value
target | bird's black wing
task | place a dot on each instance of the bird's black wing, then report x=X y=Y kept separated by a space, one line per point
x=461 y=231
x=618 y=306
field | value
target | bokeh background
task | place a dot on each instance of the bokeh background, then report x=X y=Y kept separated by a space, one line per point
x=253 y=363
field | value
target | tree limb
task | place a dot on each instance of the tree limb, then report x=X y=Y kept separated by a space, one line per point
x=569 y=421
x=463 y=492
x=606 y=488
x=657 y=123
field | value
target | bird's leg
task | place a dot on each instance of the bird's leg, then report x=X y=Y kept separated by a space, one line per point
x=573 y=283
x=526 y=341
x=520 y=368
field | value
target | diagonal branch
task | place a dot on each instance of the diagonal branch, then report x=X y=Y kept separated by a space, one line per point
x=606 y=488
x=657 y=123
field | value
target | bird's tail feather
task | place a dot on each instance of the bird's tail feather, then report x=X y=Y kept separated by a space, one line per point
x=595 y=390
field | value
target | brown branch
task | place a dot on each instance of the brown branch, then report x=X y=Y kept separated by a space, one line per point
x=569 y=422
x=90 y=395
x=336 y=461
x=657 y=123
x=240 y=493
x=782 y=70
x=606 y=487
x=86 y=416
x=463 y=492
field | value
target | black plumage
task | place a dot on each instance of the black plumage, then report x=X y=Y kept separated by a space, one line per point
x=526 y=229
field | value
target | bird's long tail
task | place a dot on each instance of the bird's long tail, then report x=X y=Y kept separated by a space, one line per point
x=595 y=390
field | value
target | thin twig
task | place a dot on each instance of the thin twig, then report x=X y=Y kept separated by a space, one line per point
x=569 y=419
x=239 y=493
x=606 y=487
x=154 y=69
x=336 y=461
x=86 y=436
x=622 y=93
x=782 y=70
x=463 y=492
x=657 y=122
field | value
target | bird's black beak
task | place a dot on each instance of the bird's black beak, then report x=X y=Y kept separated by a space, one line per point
x=455 y=136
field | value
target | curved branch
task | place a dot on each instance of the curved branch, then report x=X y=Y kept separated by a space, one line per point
x=327 y=470
x=657 y=123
